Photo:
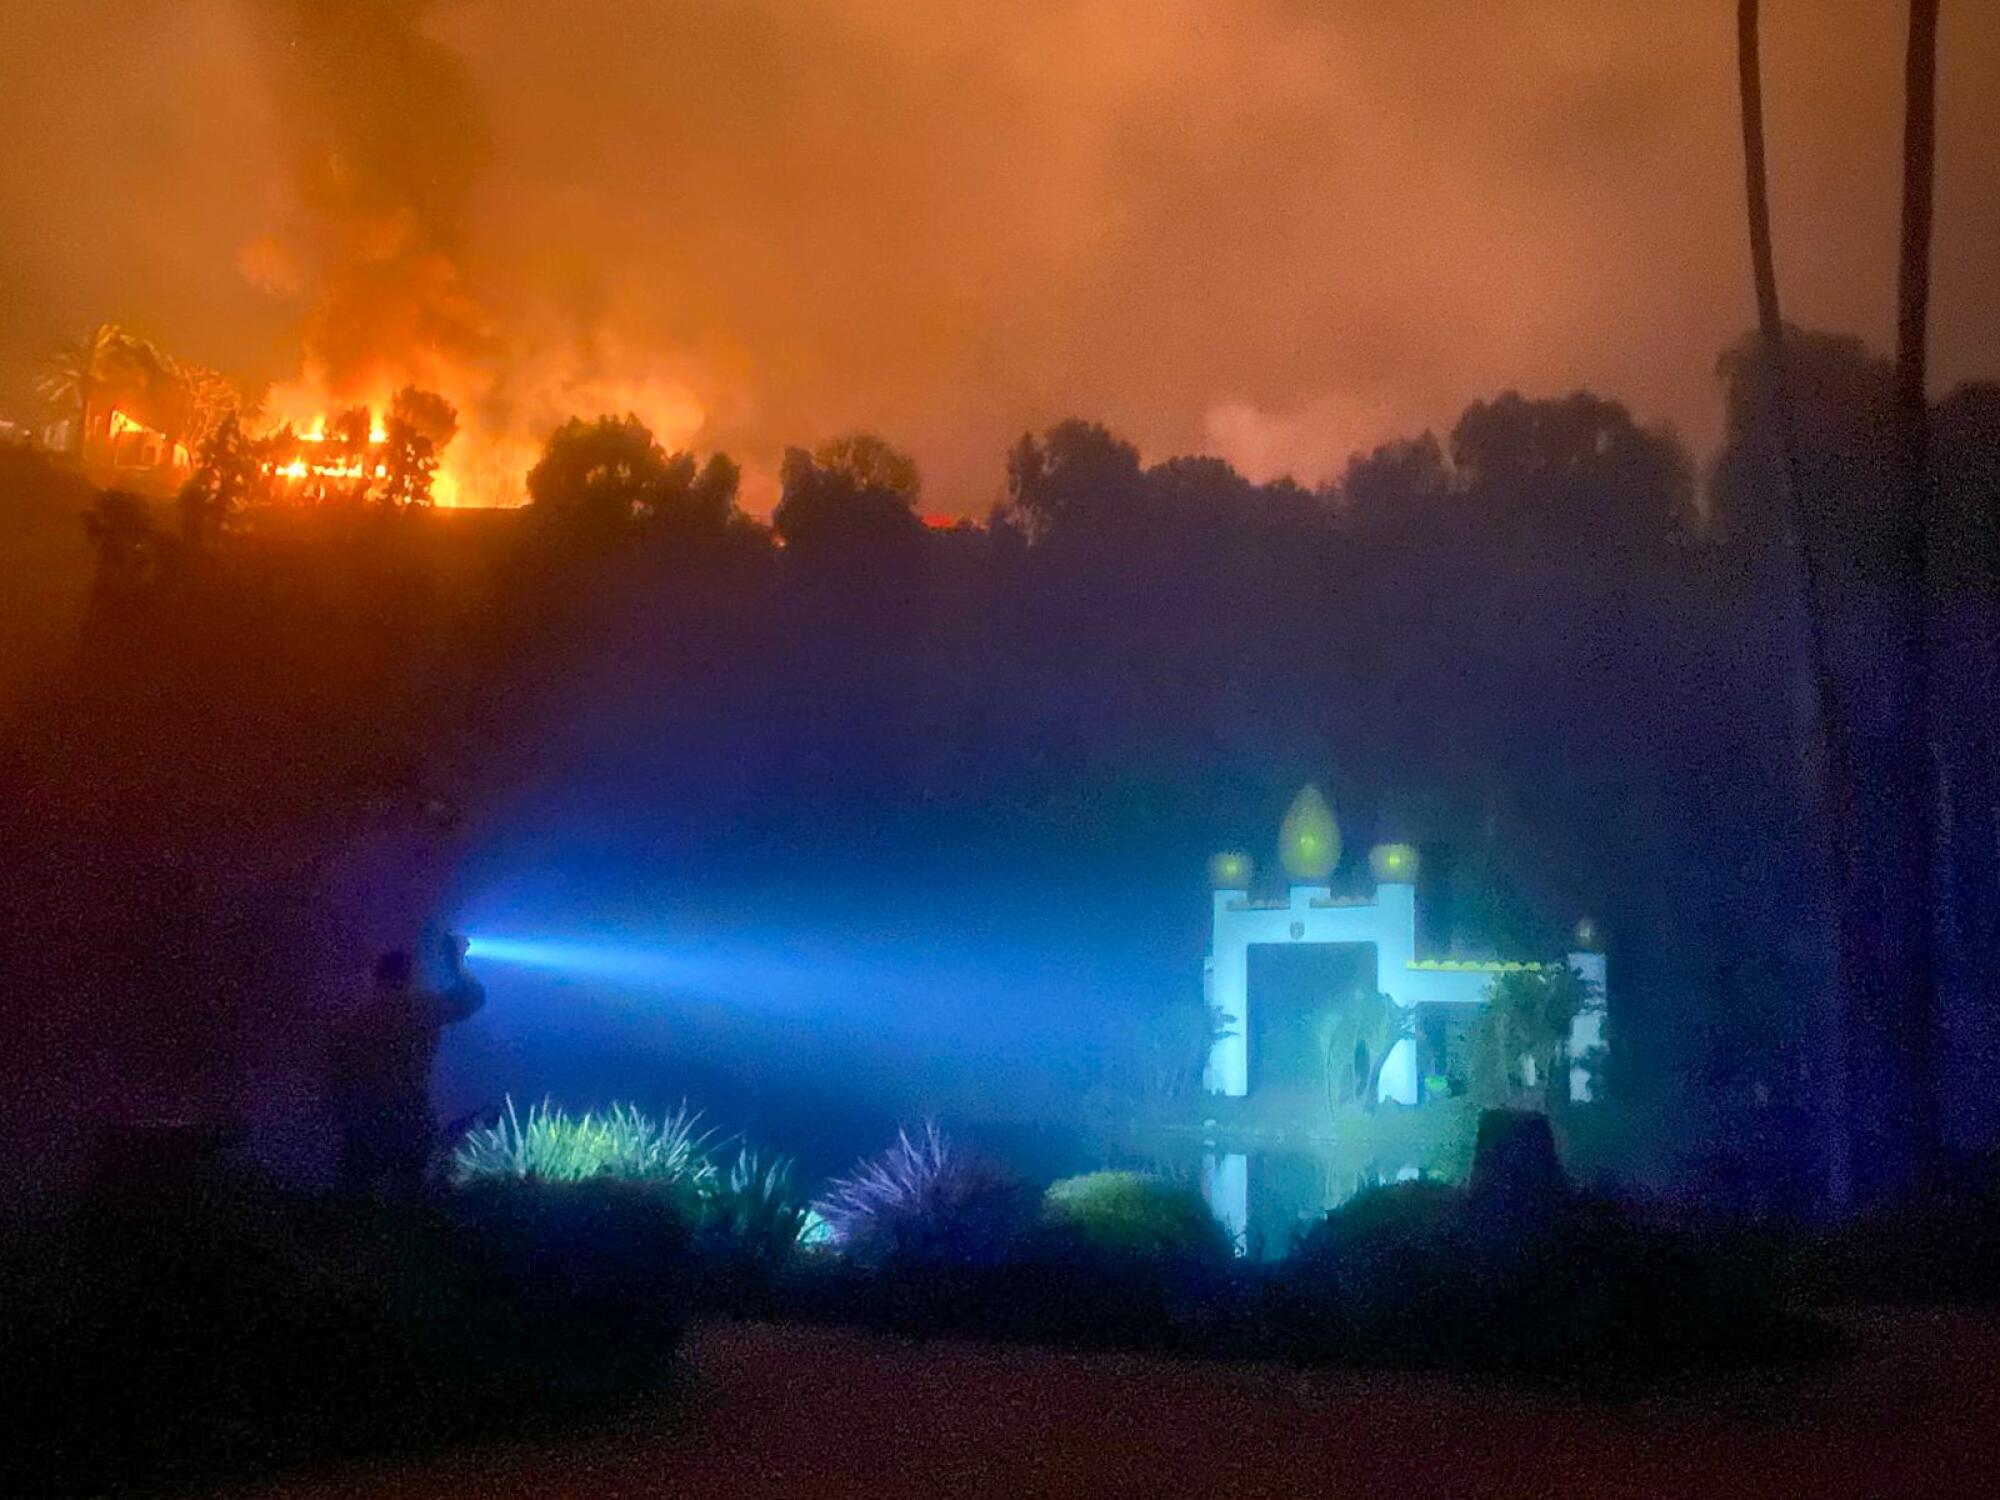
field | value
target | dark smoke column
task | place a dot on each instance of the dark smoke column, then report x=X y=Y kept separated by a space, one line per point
x=385 y=139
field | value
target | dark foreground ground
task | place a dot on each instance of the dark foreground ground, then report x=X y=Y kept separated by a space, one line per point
x=783 y=1410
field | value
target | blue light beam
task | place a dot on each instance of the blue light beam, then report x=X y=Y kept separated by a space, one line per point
x=622 y=962
x=690 y=971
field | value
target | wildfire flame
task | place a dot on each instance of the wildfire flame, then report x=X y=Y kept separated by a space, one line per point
x=300 y=467
x=373 y=240
x=505 y=415
x=316 y=433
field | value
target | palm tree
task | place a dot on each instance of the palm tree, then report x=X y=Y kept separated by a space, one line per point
x=1886 y=983
x=71 y=378
x=1828 y=732
x=1913 y=1021
x=203 y=399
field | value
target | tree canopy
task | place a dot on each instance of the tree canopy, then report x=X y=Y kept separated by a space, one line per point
x=611 y=477
x=847 y=498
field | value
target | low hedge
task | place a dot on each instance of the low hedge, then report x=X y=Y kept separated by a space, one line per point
x=1421 y=1274
x=206 y=1329
x=1129 y=1214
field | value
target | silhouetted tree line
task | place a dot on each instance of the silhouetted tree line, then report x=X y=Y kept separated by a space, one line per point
x=1542 y=646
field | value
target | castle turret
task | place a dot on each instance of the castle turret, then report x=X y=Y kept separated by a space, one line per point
x=1309 y=838
x=1393 y=864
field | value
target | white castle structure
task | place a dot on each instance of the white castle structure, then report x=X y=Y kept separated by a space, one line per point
x=1384 y=926
x=1310 y=914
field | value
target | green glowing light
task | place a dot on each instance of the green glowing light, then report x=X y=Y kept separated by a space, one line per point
x=1229 y=871
x=1393 y=864
x=1309 y=838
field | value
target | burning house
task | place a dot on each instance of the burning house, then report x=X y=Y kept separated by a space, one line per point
x=135 y=448
x=131 y=415
x=361 y=455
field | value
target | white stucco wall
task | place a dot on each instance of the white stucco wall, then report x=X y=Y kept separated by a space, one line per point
x=1397 y=1082
x=1225 y=1184
x=1586 y=1031
x=1310 y=915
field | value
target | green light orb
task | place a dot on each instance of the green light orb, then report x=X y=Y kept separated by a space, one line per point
x=1229 y=871
x=1393 y=864
x=1309 y=838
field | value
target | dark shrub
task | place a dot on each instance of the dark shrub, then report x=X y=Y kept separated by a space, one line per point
x=1384 y=1278
x=753 y=1221
x=925 y=1202
x=1514 y=1161
x=210 y=1327
x=1645 y=1298
x=1562 y=1286
x=934 y=1242
x=1051 y=1289
x=592 y=1274
x=1129 y=1214
x=1119 y=1259
x=755 y=1209
x=1943 y=1248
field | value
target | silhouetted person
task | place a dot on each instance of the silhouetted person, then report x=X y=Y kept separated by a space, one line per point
x=379 y=1069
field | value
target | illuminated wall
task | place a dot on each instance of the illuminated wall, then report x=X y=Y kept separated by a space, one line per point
x=1388 y=923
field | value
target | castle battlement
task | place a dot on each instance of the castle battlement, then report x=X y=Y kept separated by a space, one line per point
x=1310 y=914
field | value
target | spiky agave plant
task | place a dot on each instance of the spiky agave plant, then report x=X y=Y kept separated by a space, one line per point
x=756 y=1205
x=623 y=1144
x=926 y=1201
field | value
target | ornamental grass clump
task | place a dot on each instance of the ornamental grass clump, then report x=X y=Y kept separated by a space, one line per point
x=925 y=1201
x=622 y=1144
x=756 y=1207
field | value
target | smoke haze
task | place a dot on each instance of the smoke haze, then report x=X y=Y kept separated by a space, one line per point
x=383 y=142
x=1277 y=230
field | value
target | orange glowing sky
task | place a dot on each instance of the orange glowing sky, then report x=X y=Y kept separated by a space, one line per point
x=1273 y=229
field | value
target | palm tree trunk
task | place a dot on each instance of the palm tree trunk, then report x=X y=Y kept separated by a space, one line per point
x=1828 y=733
x=1912 y=1024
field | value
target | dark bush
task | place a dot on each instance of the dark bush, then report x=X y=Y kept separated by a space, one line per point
x=1052 y=1290
x=755 y=1209
x=1383 y=1279
x=1600 y=1292
x=1129 y=1214
x=1942 y=1248
x=752 y=1223
x=592 y=1273
x=217 y=1327
x=1568 y=1288
x=1118 y=1260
